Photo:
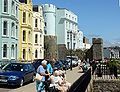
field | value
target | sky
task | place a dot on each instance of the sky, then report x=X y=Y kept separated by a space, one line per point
x=96 y=18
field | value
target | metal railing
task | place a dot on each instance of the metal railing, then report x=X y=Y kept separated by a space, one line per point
x=82 y=83
x=104 y=71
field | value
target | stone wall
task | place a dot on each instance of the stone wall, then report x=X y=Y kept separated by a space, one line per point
x=62 y=50
x=50 y=46
x=97 y=48
x=106 y=85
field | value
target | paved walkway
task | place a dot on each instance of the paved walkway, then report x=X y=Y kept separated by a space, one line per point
x=71 y=77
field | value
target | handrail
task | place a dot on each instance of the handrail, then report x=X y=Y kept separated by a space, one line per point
x=80 y=85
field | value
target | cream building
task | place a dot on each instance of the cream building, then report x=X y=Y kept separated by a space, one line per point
x=38 y=33
x=25 y=34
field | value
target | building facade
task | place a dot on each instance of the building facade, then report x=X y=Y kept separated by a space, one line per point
x=38 y=33
x=80 y=40
x=86 y=44
x=66 y=28
x=26 y=31
x=9 y=29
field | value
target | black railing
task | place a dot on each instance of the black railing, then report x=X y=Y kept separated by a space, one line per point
x=103 y=70
x=81 y=84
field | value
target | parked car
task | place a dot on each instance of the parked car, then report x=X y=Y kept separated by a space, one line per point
x=74 y=62
x=36 y=63
x=66 y=65
x=17 y=73
x=58 y=65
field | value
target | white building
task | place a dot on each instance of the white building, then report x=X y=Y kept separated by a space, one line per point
x=66 y=28
x=62 y=23
x=80 y=40
x=38 y=33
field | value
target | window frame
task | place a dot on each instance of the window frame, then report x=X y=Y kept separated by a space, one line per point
x=36 y=38
x=36 y=53
x=24 y=17
x=5 y=29
x=4 y=51
x=24 y=35
x=36 y=22
x=5 y=6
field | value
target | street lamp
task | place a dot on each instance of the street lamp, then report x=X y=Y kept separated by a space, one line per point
x=71 y=50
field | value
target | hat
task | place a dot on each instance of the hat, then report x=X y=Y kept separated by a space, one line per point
x=44 y=62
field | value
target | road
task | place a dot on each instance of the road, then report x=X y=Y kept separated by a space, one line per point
x=71 y=77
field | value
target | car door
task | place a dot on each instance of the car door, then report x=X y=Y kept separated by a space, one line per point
x=26 y=73
x=31 y=71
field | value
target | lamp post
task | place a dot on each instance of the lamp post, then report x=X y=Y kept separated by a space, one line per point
x=71 y=50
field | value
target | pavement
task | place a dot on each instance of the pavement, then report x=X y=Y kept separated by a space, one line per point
x=71 y=76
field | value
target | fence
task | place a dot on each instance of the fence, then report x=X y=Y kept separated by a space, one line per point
x=81 y=84
x=104 y=71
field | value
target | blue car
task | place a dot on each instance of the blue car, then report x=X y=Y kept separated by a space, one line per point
x=17 y=73
x=58 y=65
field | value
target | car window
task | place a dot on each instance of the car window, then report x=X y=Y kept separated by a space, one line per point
x=30 y=67
x=26 y=68
x=13 y=67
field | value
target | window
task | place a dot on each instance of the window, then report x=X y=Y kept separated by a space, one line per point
x=24 y=17
x=74 y=36
x=24 y=53
x=45 y=24
x=25 y=1
x=5 y=5
x=73 y=45
x=24 y=35
x=12 y=29
x=29 y=17
x=29 y=36
x=16 y=31
x=67 y=35
x=12 y=51
x=13 y=7
x=36 y=38
x=35 y=22
x=36 y=53
x=45 y=32
x=5 y=28
x=29 y=51
x=68 y=44
x=16 y=11
x=5 y=50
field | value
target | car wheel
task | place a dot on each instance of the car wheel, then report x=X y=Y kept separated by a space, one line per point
x=21 y=82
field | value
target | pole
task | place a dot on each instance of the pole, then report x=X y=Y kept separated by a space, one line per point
x=71 y=51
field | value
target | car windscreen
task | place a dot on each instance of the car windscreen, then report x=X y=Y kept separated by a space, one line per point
x=13 y=67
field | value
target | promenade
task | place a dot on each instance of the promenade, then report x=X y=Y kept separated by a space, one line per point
x=71 y=77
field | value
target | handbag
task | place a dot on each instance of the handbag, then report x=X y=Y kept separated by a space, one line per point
x=38 y=77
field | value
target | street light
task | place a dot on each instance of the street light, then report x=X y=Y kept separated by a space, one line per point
x=71 y=50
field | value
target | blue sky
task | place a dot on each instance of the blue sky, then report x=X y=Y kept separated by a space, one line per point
x=96 y=18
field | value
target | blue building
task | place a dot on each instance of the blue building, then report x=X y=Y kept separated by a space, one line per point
x=8 y=30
